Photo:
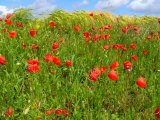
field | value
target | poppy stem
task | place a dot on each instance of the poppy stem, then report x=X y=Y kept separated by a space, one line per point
x=127 y=89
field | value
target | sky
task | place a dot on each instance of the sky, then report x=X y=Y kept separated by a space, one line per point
x=117 y=7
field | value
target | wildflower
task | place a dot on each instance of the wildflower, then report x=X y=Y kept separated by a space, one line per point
x=68 y=63
x=157 y=112
x=113 y=75
x=33 y=68
x=76 y=28
x=34 y=46
x=9 y=112
x=145 y=52
x=2 y=60
x=55 y=45
x=33 y=32
x=127 y=65
x=12 y=34
x=48 y=58
x=132 y=46
x=58 y=111
x=114 y=65
x=48 y=112
x=134 y=57
x=141 y=82
x=52 y=23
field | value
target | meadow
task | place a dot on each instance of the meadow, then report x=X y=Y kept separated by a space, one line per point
x=79 y=66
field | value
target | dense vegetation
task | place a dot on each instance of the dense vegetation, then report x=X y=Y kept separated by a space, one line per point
x=79 y=66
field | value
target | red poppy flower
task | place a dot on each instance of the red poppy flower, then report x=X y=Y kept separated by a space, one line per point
x=91 y=14
x=106 y=47
x=12 y=34
x=19 y=25
x=61 y=39
x=114 y=65
x=135 y=28
x=8 y=22
x=34 y=46
x=149 y=37
x=116 y=46
x=0 y=19
x=52 y=23
x=48 y=112
x=65 y=112
x=2 y=60
x=56 y=61
x=121 y=46
x=125 y=29
x=141 y=82
x=107 y=27
x=9 y=15
x=113 y=75
x=9 y=112
x=103 y=69
x=124 y=49
x=87 y=39
x=97 y=71
x=58 y=111
x=107 y=36
x=24 y=45
x=101 y=29
x=76 y=28
x=55 y=45
x=68 y=63
x=157 y=112
x=33 y=68
x=33 y=32
x=145 y=52
x=48 y=58
x=33 y=62
x=130 y=25
x=93 y=76
x=102 y=36
x=127 y=65
x=133 y=46
x=134 y=57
x=95 y=37
x=86 y=34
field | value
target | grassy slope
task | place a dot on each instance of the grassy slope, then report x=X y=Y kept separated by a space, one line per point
x=104 y=99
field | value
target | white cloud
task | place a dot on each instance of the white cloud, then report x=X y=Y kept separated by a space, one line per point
x=38 y=7
x=84 y=2
x=146 y=6
x=4 y=10
x=43 y=6
x=110 y=4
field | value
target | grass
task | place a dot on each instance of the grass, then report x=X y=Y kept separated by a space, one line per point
x=30 y=95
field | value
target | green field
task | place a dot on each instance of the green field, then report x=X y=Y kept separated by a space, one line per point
x=58 y=67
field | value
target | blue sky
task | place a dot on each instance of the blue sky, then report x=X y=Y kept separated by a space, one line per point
x=118 y=7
